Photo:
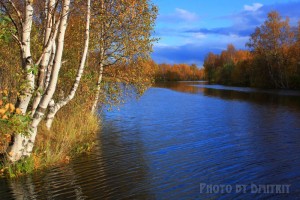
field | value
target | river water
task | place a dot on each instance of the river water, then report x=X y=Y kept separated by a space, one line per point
x=184 y=141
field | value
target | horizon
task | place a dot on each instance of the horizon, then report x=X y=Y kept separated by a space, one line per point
x=187 y=32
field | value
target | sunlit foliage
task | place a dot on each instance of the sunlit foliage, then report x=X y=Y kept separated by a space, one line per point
x=178 y=72
x=272 y=60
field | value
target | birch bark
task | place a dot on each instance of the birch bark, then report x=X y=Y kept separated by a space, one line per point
x=40 y=112
x=48 y=43
x=26 y=57
x=17 y=149
x=23 y=145
x=98 y=90
x=57 y=106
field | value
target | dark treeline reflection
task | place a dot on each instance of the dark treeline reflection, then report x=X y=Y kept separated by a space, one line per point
x=186 y=87
x=165 y=144
x=259 y=96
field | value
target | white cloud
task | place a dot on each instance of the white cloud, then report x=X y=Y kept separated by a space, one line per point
x=186 y=15
x=199 y=36
x=254 y=7
x=178 y=16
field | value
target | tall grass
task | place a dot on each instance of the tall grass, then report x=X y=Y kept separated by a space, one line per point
x=74 y=131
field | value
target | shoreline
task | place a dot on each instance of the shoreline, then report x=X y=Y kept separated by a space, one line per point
x=73 y=133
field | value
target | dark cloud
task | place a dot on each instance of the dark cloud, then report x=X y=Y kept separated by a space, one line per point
x=182 y=54
x=243 y=24
x=174 y=32
x=223 y=31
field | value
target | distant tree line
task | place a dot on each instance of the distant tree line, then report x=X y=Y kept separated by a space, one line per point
x=272 y=60
x=177 y=72
x=167 y=72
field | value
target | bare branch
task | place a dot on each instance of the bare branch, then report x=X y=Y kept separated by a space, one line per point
x=10 y=17
x=49 y=42
x=17 y=12
x=17 y=40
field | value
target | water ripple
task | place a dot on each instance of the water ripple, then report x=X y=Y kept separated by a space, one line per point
x=166 y=144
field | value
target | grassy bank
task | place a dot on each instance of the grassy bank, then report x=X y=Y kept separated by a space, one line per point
x=74 y=131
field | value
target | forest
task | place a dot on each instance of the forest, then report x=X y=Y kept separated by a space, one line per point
x=272 y=59
x=177 y=72
x=60 y=60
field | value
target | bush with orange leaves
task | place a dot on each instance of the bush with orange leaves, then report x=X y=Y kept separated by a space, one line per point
x=12 y=121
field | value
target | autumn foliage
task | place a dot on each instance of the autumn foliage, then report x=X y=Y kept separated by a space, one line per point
x=11 y=120
x=178 y=72
x=272 y=60
x=144 y=72
x=54 y=52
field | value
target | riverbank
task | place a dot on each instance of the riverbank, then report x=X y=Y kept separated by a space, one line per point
x=172 y=139
x=74 y=132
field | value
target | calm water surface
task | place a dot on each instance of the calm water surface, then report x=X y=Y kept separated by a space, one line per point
x=176 y=137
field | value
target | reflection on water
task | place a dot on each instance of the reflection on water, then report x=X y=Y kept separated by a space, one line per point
x=288 y=98
x=167 y=143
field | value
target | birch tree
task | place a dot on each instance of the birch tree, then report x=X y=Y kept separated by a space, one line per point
x=120 y=33
x=55 y=107
x=270 y=42
x=48 y=64
x=23 y=144
x=123 y=32
x=23 y=26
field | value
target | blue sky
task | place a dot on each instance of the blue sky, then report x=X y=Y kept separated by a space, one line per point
x=189 y=29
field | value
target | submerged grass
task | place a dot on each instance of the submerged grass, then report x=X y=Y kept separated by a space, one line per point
x=74 y=131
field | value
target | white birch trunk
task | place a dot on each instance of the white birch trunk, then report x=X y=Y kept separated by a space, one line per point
x=57 y=106
x=98 y=90
x=40 y=112
x=26 y=57
x=101 y=56
x=50 y=66
x=16 y=151
x=23 y=145
x=49 y=41
x=45 y=57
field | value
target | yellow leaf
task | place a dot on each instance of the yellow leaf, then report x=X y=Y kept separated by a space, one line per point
x=6 y=106
x=11 y=107
x=2 y=111
x=18 y=111
x=5 y=92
